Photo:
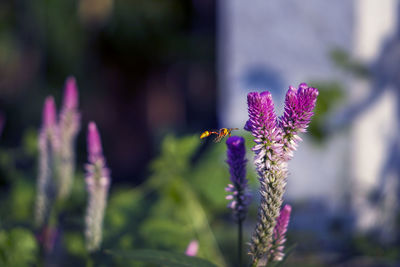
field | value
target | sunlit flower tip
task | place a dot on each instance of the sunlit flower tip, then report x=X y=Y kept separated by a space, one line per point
x=299 y=106
x=70 y=93
x=304 y=86
x=49 y=112
x=192 y=248
x=94 y=142
x=261 y=114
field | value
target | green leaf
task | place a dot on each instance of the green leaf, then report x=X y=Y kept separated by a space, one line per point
x=18 y=247
x=342 y=60
x=161 y=258
x=331 y=94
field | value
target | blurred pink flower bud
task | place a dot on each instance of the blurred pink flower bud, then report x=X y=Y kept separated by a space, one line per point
x=49 y=112
x=192 y=248
x=70 y=94
x=282 y=223
x=94 y=142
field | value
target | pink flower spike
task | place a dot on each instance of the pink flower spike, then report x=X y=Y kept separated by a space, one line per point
x=70 y=94
x=192 y=248
x=94 y=142
x=49 y=112
x=97 y=184
x=280 y=230
x=283 y=220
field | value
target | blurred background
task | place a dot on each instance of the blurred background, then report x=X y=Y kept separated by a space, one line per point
x=155 y=74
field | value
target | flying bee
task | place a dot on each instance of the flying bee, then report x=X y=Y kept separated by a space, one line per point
x=219 y=134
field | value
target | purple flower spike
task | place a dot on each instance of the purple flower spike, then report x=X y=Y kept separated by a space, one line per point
x=271 y=169
x=261 y=112
x=48 y=148
x=97 y=183
x=262 y=124
x=236 y=160
x=49 y=113
x=280 y=233
x=299 y=106
x=275 y=142
x=69 y=127
x=70 y=94
x=96 y=166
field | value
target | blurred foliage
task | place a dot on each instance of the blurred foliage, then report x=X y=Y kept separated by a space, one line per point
x=120 y=52
x=330 y=95
x=168 y=211
x=182 y=200
x=369 y=246
x=343 y=61
x=161 y=258
x=18 y=247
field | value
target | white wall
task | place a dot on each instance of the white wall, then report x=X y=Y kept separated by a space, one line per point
x=289 y=41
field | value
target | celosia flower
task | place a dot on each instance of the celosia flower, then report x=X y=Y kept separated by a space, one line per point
x=192 y=248
x=236 y=160
x=47 y=148
x=70 y=94
x=69 y=128
x=49 y=121
x=271 y=171
x=275 y=141
x=282 y=223
x=299 y=106
x=97 y=183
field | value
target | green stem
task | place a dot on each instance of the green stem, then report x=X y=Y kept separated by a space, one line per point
x=240 y=243
x=89 y=261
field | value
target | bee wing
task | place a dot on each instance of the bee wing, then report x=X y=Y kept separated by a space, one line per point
x=218 y=139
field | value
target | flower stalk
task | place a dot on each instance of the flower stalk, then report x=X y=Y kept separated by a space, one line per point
x=238 y=189
x=276 y=139
x=48 y=145
x=97 y=184
x=69 y=127
x=56 y=153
